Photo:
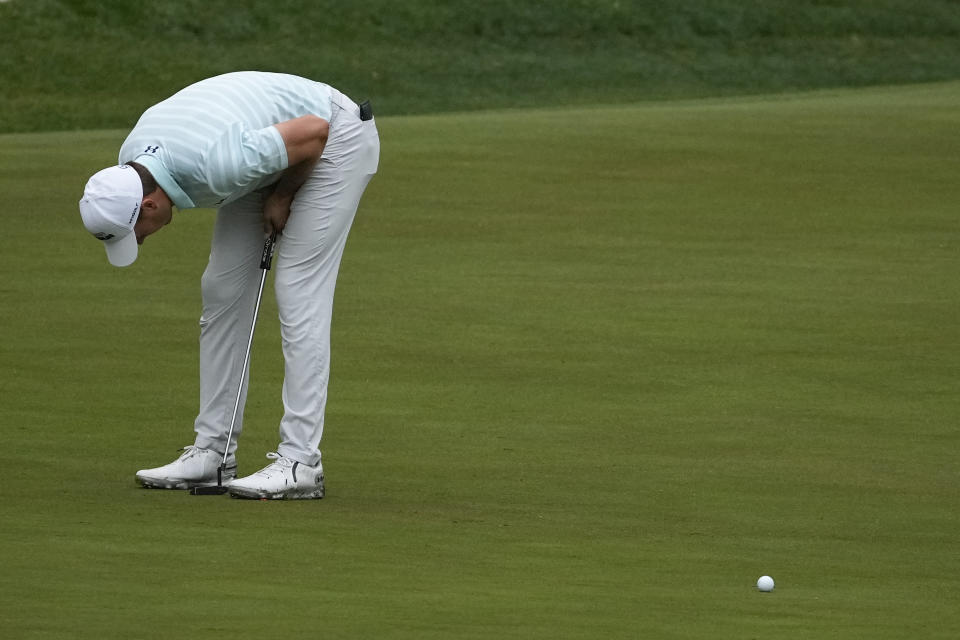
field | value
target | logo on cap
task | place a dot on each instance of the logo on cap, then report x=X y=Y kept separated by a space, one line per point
x=103 y=236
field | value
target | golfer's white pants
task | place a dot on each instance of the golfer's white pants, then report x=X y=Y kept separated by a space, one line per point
x=306 y=265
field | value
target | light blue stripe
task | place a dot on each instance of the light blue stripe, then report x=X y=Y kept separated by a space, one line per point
x=200 y=138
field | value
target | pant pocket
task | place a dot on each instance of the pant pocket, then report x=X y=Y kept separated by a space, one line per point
x=371 y=146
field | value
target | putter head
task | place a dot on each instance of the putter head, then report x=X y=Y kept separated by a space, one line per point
x=215 y=490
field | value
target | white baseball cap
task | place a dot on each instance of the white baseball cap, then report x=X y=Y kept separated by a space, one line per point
x=110 y=207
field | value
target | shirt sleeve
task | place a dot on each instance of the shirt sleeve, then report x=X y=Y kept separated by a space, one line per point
x=241 y=157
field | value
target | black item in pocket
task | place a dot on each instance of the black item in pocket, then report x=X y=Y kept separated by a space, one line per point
x=366 y=111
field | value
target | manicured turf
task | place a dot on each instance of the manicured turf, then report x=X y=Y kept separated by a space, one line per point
x=595 y=371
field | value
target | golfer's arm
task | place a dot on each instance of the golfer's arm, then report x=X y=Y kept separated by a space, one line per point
x=305 y=137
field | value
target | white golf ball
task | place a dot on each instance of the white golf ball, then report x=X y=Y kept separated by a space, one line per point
x=765 y=583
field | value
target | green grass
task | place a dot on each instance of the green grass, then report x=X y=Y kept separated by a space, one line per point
x=595 y=371
x=85 y=64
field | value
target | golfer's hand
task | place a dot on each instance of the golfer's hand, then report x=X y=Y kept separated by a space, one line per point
x=276 y=210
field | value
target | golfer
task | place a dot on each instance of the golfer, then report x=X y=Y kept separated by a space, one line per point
x=273 y=153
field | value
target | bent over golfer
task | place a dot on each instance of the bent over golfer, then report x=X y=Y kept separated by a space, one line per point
x=273 y=153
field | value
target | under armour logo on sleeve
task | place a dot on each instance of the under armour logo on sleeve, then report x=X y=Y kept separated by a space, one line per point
x=151 y=149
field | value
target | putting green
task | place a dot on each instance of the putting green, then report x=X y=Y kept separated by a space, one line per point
x=595 y=372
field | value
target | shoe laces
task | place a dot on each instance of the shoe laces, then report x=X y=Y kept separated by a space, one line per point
x=280 y=465
x=189 y=451
x=193 y=450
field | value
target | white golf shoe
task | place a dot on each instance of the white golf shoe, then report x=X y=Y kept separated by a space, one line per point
x=283 y=479
x=196 y=467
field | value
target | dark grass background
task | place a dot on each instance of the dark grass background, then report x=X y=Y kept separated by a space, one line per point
x=80 y=64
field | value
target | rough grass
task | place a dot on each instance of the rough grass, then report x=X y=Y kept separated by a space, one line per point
x=591 y=397
x=80 y=64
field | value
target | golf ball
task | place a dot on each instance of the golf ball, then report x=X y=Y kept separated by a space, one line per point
x=765 y=583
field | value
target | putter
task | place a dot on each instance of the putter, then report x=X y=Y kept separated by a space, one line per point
x=265 y=259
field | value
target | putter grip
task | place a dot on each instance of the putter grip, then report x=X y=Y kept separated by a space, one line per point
x=267 y=257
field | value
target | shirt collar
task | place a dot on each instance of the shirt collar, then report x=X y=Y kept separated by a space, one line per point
x=159 y=172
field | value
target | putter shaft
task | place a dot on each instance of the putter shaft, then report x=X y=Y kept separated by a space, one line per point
x=266 y=258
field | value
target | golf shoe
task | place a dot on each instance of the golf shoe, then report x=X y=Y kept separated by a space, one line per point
x=196 y=467
x=282 y=479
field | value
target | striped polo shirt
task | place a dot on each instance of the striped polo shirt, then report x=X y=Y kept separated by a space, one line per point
x=214 y=142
